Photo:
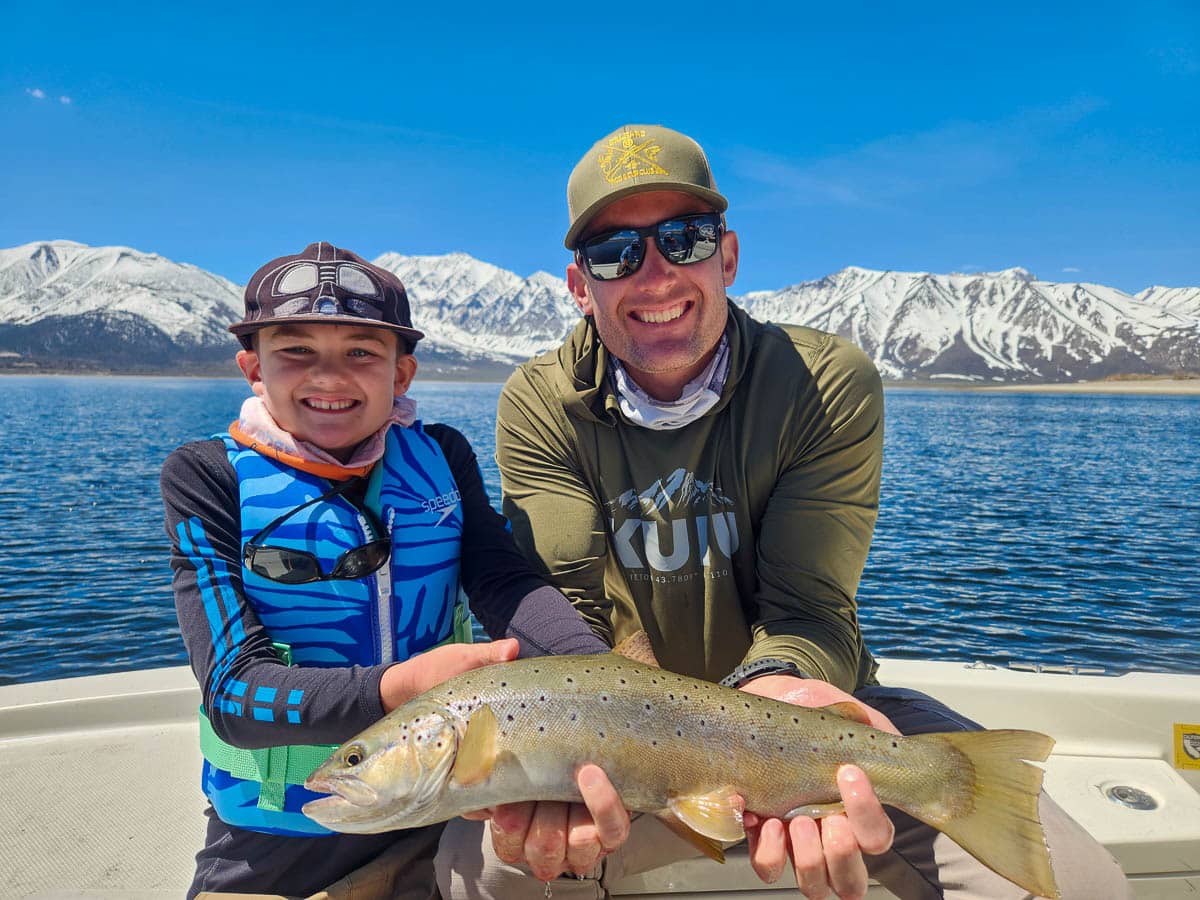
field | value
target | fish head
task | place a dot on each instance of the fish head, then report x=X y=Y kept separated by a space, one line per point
x=389 y=776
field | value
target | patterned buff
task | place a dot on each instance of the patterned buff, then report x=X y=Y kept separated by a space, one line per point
x=256 y=426
x=698 y=397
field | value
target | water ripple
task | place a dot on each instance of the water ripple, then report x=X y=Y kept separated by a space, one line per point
x=1051 y=529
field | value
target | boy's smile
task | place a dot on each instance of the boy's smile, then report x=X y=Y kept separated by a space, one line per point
x=329 y=385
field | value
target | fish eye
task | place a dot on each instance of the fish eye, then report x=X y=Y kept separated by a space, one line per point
x=353 y=755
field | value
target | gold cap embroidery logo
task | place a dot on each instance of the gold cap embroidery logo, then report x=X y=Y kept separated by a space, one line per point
x=629 y=156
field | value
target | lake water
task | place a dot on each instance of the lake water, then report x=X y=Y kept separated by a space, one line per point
x=1055 y=529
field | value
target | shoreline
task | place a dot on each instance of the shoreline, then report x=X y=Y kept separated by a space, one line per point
x=1162 y=386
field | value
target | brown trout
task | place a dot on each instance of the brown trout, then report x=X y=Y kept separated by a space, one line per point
x=679 y=748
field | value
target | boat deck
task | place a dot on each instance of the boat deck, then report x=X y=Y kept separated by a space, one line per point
x=101 y=797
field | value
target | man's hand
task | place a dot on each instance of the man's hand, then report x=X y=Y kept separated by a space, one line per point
x=812 y=693
x=551 y=838
x=405 y=680
x=826 y=854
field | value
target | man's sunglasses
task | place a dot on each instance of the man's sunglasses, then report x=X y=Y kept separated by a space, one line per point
x=290 y=566
x=682 y=240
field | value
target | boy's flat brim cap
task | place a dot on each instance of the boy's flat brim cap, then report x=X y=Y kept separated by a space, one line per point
x=632 y=160
x=325 y=285
x=411 y=334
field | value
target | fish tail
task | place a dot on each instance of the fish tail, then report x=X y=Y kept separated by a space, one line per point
x=1000 y=827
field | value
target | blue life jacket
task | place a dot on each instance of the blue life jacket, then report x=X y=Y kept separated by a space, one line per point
x=400 y=611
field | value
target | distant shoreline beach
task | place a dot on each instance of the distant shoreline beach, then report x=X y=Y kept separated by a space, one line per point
x=1161 y=385
x=1164 y=385
x=1141 y=386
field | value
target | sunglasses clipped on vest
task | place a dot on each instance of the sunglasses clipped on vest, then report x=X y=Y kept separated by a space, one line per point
x=289 y=566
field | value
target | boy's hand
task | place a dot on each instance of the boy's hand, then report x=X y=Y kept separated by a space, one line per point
x=405 y=680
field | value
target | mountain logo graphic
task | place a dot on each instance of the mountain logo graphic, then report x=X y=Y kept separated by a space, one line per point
x=677 y=524
x=679 y=489
x=627 y=156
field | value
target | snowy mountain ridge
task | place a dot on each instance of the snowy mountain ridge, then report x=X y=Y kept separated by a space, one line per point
x=989 y=325
x=52 y=280
x=117 y=307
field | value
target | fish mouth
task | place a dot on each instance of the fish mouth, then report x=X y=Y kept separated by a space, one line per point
x=339 y=814
x=344 y=791
x=327 y=808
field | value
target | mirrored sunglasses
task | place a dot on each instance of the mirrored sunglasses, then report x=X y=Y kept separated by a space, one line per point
x=291 y=566
x=682 y=240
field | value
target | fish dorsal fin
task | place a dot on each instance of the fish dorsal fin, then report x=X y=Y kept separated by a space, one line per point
x=716 y=815
x=477 y=750
x=848 y=709
x=710 y=848
x=637 y=647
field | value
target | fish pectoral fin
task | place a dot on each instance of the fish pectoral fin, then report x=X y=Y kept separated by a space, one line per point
x=848 y=709
x=710 y=848
x=638 y=648
x=716 y=815
x=816 y=810
x=476 y=755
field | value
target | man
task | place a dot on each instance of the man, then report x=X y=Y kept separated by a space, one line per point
x=680 y=468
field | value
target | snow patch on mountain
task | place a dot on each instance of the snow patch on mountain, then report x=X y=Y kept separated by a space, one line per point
x=1183 y=301
x=64 y=279
x=988 y=325
x=473 y=307
x=64 y=300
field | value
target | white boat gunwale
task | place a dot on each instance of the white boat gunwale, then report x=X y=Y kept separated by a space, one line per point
x=112 y=763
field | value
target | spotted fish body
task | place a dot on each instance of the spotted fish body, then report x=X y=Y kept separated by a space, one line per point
x=677 y=747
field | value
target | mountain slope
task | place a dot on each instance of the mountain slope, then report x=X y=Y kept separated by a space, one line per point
x=1003 y=325
x=70 y=303
x=65 y=304
x=479 y=310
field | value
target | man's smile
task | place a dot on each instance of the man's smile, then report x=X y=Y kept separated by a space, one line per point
x=661 y=316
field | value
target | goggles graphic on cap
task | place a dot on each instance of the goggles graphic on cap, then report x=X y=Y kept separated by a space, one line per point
x=326 y=289
x=325 y=284
x=304 y=276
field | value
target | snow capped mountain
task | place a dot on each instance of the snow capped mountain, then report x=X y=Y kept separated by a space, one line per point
x=471 y=307
x=63 y=303
x=58 y=279
x=988 y=325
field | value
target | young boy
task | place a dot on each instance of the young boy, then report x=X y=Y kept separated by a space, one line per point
x=318 y=549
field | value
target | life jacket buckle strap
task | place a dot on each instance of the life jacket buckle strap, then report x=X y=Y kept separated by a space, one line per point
x=274 y=768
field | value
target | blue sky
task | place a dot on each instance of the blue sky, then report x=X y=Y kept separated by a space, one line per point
x=931 y=137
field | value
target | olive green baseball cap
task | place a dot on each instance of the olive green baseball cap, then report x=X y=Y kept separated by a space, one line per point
x=632 y=160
